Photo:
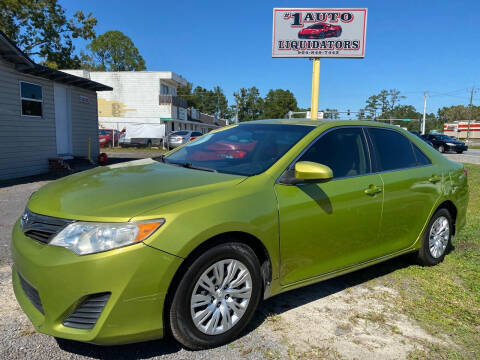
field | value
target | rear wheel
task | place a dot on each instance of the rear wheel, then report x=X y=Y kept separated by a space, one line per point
x=459 y=151
x=441 y=148
x=436 y=238
x=216 y=297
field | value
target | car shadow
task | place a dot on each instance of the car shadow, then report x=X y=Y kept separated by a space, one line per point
x=273 y=306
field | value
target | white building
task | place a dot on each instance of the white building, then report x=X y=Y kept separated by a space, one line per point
x=146 y=97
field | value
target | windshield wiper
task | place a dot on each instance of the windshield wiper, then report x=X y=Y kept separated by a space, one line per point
x=191 y=166
x=185 y=165
x=159 y=158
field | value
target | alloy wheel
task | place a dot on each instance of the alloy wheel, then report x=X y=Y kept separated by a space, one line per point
x=439 y=236
x=221 y=296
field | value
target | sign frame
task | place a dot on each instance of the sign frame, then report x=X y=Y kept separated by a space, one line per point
x=275 y=53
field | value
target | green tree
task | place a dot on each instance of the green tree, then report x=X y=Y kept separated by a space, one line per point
x=113 y=51
x=278 y=103
x=250 y=104
x=185 y=92
x=41 y=29
x=459 y=112
x=207 y=101
x=381 y=105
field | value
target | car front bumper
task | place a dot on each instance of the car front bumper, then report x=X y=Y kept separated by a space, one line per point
x=136 y=277
x=456 y=147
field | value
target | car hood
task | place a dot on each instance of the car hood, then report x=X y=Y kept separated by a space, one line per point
x=121 y=191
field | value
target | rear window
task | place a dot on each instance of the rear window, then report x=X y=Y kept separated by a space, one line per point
x=393 y=151
x=422 y=159
x=180 y=133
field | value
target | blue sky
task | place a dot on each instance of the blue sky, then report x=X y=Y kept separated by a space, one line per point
x=412 y=45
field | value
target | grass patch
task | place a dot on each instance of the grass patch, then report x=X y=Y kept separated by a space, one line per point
x=445 y=299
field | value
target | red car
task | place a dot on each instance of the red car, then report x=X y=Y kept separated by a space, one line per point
x=320 y=31
x=105 y=137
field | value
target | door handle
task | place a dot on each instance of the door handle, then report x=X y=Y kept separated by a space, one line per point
x=373 y=190
x=434 y=179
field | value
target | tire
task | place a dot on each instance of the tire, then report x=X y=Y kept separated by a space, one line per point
x=149 y=144
x=459 y=151
x=426 y=256
x=441 y=148
x=181 y=312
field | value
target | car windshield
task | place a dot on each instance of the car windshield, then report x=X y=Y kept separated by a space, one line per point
x=104 y=132
x=444 y=137
x=246 y=149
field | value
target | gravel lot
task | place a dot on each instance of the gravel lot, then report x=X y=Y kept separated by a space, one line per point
x=350 y=317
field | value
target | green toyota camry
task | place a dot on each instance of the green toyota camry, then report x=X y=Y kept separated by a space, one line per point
x=189 y=243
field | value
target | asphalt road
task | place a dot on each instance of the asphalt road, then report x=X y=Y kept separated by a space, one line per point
x=471 y=156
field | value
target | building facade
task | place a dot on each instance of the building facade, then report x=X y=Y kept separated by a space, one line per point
x=45 y=114
x=146 y=97
x=459 y=129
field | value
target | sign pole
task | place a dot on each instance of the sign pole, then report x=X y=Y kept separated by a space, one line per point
x=315 y=85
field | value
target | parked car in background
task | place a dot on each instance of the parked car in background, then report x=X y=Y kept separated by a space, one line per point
x=143 y=135
x=178 y=138
x=320 y=31
x=189 y=243
x=107 y=139
x=416 y=133
x=445 y=143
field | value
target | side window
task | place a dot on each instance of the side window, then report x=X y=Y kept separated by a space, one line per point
x=32 y=99
x=422 y=159
x=392 y=150
x=343 y=150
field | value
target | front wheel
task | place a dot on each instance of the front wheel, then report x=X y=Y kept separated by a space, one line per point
x=459 y=151
x=216 y=297
x=441 y=148
x=436 y=238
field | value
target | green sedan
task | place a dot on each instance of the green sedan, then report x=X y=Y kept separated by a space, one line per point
x=190 y=243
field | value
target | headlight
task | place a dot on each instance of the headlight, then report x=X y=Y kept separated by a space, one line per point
x=89 y=237
x=450 y=144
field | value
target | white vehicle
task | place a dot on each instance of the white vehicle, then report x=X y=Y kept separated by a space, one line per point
x=146 y=135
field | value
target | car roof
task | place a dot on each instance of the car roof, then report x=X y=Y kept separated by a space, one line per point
x=317 y=123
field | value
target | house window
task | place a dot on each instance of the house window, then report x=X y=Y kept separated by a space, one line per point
x=32 y=99
x=163 y=89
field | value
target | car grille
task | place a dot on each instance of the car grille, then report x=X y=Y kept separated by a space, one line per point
x=40 y=227
x=87 y=313
x=31 y=293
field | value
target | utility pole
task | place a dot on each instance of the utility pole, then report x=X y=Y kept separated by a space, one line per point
x=471 y=114
x=236 y=110
x=422 y=127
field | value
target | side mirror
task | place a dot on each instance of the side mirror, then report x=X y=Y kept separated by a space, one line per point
x=308 y=172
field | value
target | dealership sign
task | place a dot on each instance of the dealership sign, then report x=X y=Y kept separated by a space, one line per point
x=319 y=33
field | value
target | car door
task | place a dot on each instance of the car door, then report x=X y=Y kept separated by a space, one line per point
x=328 y=226
x=412 y=185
